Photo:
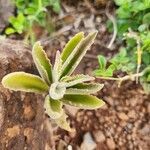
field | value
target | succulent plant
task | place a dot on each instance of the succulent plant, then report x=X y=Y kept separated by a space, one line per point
x=56 y=82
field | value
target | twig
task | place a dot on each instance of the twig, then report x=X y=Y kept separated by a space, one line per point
x=134 y=35
x=121 y=79
x=89 y=5
x=91 y=56
x=56 y=34
x=113 y=20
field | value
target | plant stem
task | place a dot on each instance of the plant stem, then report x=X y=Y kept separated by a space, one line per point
x=113 y=20
x=135 y=36
x=121 y=79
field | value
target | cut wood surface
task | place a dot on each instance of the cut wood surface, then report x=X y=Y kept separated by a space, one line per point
x=23 y=124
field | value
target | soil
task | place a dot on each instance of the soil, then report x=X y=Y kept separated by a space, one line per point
x=122 y=124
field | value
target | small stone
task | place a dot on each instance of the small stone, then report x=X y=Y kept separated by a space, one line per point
x=72 y=110
x=132 y=114
x=98 y=19
x=72 y=134
x=99 y=136
x=88 y=142
x=133 y=102
x=29 y=133
x=148 y=108
x=129 y=137
x=14 y=131
x=110 y=143
x=29 y=113
x=123 y=116
x=89 y=22
x=109 y=100
x=145 y=130
x=119 y=129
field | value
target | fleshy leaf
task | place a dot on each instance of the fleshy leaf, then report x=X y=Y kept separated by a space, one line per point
x=42 y=62
x=53 y=107
x=57 y=67
x=83 y=101
x=21 y=81
x=85 y=88
x=57 y=90
x=73 y=80
x=77 y=54
x=71 y=45
x=62 y=123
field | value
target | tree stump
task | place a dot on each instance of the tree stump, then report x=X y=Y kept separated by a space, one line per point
x=23 y=124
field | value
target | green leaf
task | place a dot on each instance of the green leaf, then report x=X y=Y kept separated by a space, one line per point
x=102 y=62
x=148 y=78
x=21 y=18
x=57 y=67
x=56 y=7
x=142 y=27
x=42 y=62
x=106 y=72
x=77 y=54
x=138 y=6
x=18 y=22
x=124 y=12
x=9 y=30
x=62 y=123
x=21 y=81
x=71 y=45
x=83 y=101
x=122 y=52
x=73 y=80
x=120 y=59
x=146 y=18
x=29 y=10
x=146 y=71
x=146 y=87
x=53 y=107
x=122 y=2
x=84 y=88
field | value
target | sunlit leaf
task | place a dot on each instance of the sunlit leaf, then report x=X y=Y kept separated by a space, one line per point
x=42 y=62
x=9 y=30
x=73 y=80
x=102 y=62
x=21 y=81
x=62 y=123
x=77 y=54
x=85 y=88
x=53 y=107
x=57 y=67
x=71 y=45
x=83 y=101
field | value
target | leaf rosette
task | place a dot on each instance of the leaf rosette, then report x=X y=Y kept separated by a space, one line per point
x=56 y=81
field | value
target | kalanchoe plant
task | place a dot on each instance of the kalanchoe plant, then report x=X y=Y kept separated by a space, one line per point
x=57 y=82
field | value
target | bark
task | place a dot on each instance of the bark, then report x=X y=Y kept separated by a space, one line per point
x=23 y=124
